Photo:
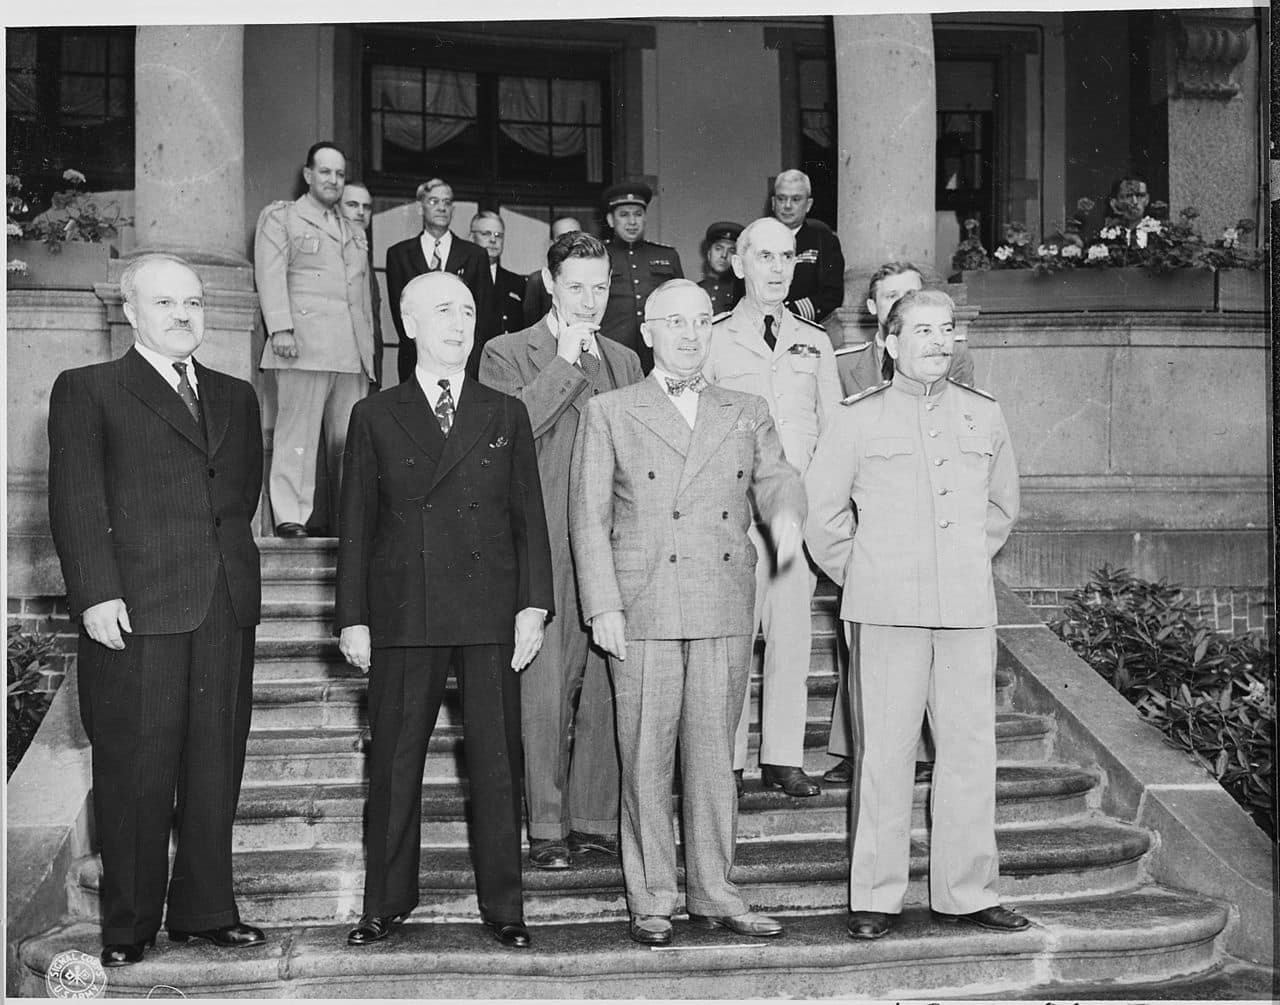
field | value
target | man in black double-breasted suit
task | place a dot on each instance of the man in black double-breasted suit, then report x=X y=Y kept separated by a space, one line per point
x=443 y=556
x=155 y=471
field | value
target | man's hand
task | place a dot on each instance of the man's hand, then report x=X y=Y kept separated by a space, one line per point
x=355 y=647
x=572 y=338
x=609 y=630
x=284 y=344
x=105 y=621
x=788 y=538
x=529 y=627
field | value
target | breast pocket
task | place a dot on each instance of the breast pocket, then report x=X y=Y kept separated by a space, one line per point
x=306 y=244
x=975 y=458
x=886 y=448
x=803 y=363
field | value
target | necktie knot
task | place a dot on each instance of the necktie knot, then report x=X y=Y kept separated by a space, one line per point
x=697 y=383
x=770 y=339
x=444 y=406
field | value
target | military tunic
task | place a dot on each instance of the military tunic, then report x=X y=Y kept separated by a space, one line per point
x=725 y=291
x=637 y=269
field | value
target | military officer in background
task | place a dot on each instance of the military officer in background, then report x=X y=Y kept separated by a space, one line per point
x=817 y=288
x=722 y=286
x=357 y=207
x=638 y=267
x=311 y=268
x=488 y=231
x=912 y=491
x=763 y=348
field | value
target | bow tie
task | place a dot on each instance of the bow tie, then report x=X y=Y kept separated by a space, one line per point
x=696 y=384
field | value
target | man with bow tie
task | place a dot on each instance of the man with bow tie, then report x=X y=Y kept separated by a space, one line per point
x=664 y=474
x=570 y=743
x=443 y=560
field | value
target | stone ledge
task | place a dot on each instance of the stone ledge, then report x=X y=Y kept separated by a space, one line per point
x=1207 y=843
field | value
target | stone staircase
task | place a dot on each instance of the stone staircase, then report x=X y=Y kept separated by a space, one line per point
x=1099 y=920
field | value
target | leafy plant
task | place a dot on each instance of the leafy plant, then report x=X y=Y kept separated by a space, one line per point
x=72 y=215
x=29 y=655
x=1210 y=694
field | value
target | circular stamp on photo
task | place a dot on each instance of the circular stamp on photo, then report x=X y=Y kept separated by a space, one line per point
x=74 y=974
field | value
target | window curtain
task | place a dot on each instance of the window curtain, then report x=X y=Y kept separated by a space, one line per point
x=562 y=120
x=418 y=118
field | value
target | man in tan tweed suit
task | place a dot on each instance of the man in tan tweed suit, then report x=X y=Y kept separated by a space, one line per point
x=663 y=477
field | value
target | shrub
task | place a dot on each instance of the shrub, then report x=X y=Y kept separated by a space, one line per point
x=28 y=701
x=1210 y=694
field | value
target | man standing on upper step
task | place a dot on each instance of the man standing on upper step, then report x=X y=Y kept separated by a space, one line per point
x=817 y=287
x=912 y=491
x=763 y=348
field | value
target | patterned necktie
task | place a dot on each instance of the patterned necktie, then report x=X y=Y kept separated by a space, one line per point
x=770 y=339
x=590 y=364
x=697 y=383
x=434 y=264
x=444 y=407
x=186 y=393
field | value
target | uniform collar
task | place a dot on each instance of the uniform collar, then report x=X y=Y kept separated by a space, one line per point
x=918 y=388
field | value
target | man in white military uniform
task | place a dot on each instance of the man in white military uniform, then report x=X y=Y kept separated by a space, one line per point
x=763 y=348
x=926 y=465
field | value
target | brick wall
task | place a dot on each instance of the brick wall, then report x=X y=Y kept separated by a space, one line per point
x=1231 y=609
x=47 y=616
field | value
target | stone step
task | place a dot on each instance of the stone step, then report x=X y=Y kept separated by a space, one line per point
x=337 y=754
x=1089 y=855
x=1139 y=936
x=273 y=817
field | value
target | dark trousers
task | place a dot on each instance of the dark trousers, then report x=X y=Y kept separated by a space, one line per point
x=168 y=713
x=406 y=686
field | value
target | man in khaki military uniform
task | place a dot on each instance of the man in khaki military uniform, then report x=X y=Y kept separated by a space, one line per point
x=926 y=465
x=763 y=348
x=311 y=267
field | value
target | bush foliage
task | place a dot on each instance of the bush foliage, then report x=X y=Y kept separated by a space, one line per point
x=1212 y=695
x=28 y=657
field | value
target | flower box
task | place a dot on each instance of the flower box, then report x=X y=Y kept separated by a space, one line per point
x=1242 y=290
x=76 y=265
x=1018 y=291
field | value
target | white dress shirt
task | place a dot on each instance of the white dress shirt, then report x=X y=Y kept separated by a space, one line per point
x=164 y=366
x=430 y=384
x=686 y=401
x=429 y=242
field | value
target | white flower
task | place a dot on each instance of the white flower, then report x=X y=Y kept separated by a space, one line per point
x=1098 y=252
x=17 y=265
x=1071 y=251
x=1041 y=251
x=1140 y=238
x=1109 y=233
x=1149 y=225
x=1003 y=252
x=1230 y=237
x=73 y=176
x=1257 y=693
x=14 y=230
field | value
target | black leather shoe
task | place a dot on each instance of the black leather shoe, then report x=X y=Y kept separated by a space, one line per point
x=924 y=771
x=122 y=954
x=737 y=781
x=868 y=924
x=236 y=936
x=650 y=929
x=290 y=529
x=511 y=934
x=995 y=919
x=581 y=842
x=552 y=853
x=759 y=926
x=374 y=928
x=841 y=774
x=792 y=781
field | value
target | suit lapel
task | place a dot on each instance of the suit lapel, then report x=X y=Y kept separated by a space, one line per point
x=654 y=410
x=742 y=335
x=215 y=406
x=454 y=262
x=141 y=380
x=472 y=418
x=414 y=414
x=611 y=361
x=417 y=258
x=715 y=419
x=542 y=346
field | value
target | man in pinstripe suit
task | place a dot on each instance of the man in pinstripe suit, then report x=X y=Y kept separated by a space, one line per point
x=155 y=470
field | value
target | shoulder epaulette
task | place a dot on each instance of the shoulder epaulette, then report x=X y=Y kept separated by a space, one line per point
x=844 y=350
x=811 y=324
x=982 y=394
x=853 y=399
x=664 y=247
x=721 y=316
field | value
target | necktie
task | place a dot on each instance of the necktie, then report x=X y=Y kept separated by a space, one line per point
x=696 y=384
x=186 y=393
x=434 y=264
x=444 y=407
x=769 y=338
x=590 y=364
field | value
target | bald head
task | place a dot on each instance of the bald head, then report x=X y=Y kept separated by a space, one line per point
x=440 y=316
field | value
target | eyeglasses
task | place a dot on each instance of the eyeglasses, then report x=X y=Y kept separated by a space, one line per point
x=433 y=201
x=791 y=200
x=679 y=324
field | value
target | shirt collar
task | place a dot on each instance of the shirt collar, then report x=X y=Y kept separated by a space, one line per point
x=164 y=365
x=918 y=388
x=430 y=383
x=553 y=325
x=756 y=317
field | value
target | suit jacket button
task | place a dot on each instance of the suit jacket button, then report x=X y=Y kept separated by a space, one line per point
x=426 y=505
x=724 y=515
x=726 y=556
x=739 y=474
x=671 y=559
x=652 y=475
x=475 y=505
x=212 y=472
x=217 y=521
x=484 y=462
x=475 y=555
x=675 y=515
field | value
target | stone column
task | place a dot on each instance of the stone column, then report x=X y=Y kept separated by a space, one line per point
x=189 y=83
x=886 y=89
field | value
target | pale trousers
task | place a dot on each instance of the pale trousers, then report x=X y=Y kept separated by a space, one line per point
x=782 y=607
x=840 y=736
x=898 y=674
x=308 y=399
x=687 y=691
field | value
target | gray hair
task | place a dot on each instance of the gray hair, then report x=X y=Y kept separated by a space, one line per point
x=428 y=185
x=487 y=214
x=129 y=278
x=744 y=239
x=669 y=286
x=793 y=174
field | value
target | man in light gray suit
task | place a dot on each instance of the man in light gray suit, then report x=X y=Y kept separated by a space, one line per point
x=555 y=367
x=663 y=477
